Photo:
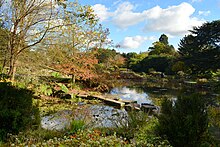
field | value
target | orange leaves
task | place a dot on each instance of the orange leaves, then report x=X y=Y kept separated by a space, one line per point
x=82 y=66
x=94 y=134
x=91 y=135
x=73 y=136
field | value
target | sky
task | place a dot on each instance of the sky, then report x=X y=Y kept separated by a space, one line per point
x=136 y=24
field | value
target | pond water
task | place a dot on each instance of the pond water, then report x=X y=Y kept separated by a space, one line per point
x=102 y=115
x=98 y=116
x=126 y=93
x=57 y=121
x=143 y=94
x=107 y=116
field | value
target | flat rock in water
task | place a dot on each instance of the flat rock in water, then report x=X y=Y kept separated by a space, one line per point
x=150 y=108
x=128 y=101
x=57 y=121
x=106 y=116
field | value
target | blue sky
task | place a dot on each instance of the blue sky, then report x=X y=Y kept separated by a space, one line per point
x=136 y=24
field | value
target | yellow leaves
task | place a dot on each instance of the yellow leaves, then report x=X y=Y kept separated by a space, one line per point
x=89 y=9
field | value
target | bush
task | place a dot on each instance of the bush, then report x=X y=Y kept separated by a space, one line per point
x=16 y=110
x=179 y=66
x=158 y=63
x=81 y=138
x=185 y=121
x=146 y=135
x=128 y=129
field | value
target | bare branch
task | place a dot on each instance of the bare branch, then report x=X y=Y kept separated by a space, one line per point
x=40 y=39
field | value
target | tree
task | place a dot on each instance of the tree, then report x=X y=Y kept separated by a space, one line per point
x=109 y=58
x=133 y=60
x=105 y=55
x=200 y=50
x=71 y=49
x=158 y=63
x=1 y=23
x=164 y=39
x=162 y=47
x=160 y=57
x=27 y=22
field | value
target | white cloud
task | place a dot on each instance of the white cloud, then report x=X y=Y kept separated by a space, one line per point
x=102 y=12
x=134 y=42
x=205 y=13
x=174 y=20
x=125 y=16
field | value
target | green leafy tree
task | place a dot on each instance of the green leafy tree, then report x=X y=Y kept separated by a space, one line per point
x=71 y=49
x=179 y=66
x=158 y=63
x=160 y=57
x=162 y=47
x=105 y=56
x=133 y=60
x=164 y=39
x=200 y=50
x=109 y=58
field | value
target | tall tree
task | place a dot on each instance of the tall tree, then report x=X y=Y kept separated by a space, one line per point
x=164 y=39
x=162 y=47
x=28 y=22
x=200 y=49
x=70 y=48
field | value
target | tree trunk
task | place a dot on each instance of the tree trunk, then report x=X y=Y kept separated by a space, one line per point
x=3 y=66
x=12 y=68
x=73 y=80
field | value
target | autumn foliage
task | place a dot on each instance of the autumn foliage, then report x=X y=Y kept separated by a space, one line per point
x=82 y=66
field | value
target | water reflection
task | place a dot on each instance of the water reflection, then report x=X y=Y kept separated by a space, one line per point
x=126 y=93
x=106 y=116
x=57 y=121
x=144 y=94
x=94 y=116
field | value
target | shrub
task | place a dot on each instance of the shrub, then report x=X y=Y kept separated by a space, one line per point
x=185 y=121
x=16 y=110
x=146 y=135
x=179 y=66
x=134 y=121
x=81 y=138
x=156 y=62
x=46 y=89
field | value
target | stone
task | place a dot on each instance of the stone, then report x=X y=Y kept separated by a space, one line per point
x=58 y=121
